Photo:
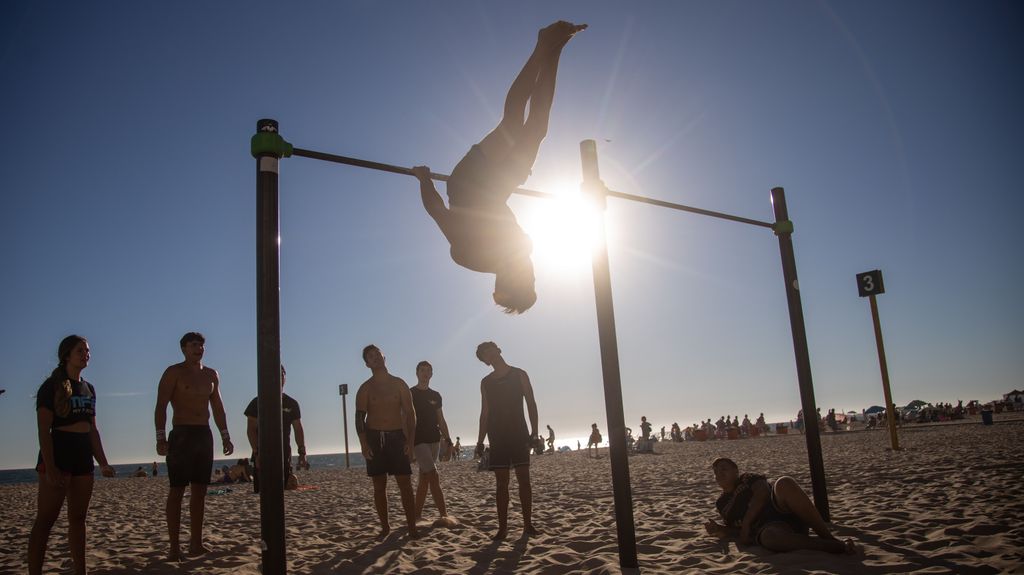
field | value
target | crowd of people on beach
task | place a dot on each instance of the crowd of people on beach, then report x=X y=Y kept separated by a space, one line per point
x=397 y=425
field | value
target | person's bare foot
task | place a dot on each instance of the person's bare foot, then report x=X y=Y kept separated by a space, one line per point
x=413 y=532
x=530 y=531
x=384 y=531
x=851 y=547
x=502 y=532
x=198 y=549
x=446 y=521
x=558 y=34
x=174 y=554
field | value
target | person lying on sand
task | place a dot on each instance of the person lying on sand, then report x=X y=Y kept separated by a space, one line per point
x=776 y=515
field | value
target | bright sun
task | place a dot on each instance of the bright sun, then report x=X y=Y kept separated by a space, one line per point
x=564 y=229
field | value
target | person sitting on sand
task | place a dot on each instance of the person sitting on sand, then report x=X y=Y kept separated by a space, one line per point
x=775 y=515
x=478 y=224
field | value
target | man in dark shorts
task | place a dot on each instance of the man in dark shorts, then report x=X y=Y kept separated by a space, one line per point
x=291 y=417
x=502 y=394
x=478 y=224
x=386 y=425
x=431 y=430
x=193 y=390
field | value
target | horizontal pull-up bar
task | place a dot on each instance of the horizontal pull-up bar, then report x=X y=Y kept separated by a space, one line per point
x=527 y=192
x=681 y=207
x=391 y=168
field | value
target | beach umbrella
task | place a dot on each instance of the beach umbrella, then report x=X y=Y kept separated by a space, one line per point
x=874 y=409
x=917 y=403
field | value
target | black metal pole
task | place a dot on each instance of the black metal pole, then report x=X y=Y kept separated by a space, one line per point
x=784 y=230
x=344 y=425
x=595 y=189
x=268 y=348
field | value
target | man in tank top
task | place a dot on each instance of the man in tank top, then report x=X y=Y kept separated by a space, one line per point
x=501 y=420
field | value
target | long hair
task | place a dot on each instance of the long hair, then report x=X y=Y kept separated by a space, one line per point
x=63 y=390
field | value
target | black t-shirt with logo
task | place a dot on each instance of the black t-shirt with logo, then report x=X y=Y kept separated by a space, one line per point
x=70 y=401
x=426 y=402
x=289 y=414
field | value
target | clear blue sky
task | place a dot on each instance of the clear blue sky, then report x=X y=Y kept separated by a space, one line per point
x=129 y=208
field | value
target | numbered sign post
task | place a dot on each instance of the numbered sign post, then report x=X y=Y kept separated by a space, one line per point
x=343 y=391
x=869 y=284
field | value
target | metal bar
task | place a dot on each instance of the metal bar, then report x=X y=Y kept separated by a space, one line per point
x=268 y=356
x=524 y=191
x=681 y=207
x=890 y=409
x=784 y=230
x=610 y=367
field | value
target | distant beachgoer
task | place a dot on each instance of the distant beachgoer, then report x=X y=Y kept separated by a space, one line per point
x=457 y=449
x=193 y=390
x=775 y=515
x=502 y=394
x=551 y=440
x=431 y=430
x=594 y=440
x=386 y=425
x=155 y=469
x=478 y=224
x=291 y=418
x=68 y=442
x=761 y=425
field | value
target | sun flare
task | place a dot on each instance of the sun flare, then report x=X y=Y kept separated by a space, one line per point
x=564 y=229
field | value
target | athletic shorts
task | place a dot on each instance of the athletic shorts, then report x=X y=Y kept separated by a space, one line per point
x=189 y=455
x=506 y=454
x=773 y=516
x=478 y=174
x=426 y=456
x=388 y=451
x=72 y=453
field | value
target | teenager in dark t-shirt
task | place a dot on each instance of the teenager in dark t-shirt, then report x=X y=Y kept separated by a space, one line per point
x=291 y=417
x=431 y=429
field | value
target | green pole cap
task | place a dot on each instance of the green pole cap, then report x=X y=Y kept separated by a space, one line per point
x=783 y=227
x=267 y=142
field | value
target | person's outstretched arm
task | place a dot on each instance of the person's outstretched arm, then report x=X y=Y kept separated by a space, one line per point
x=432 y=201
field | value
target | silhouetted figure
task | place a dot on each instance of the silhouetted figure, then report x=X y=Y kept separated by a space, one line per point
x=503 y=393
x=482 y=230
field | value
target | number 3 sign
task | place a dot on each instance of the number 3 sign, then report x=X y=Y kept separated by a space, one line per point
x=870 y=283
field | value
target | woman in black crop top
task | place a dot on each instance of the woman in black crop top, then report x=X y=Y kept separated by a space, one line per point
x=68 y=442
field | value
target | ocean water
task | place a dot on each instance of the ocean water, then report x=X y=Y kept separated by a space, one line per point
x=125 y=470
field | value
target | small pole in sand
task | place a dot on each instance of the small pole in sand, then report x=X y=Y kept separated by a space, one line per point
x=343 y=391
x=595 y=189
x=783 y=228
x=869 y=284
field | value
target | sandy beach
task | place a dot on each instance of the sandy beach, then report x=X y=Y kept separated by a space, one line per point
x=946 y=503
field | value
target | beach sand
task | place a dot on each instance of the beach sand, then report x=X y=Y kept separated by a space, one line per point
x=950 y=502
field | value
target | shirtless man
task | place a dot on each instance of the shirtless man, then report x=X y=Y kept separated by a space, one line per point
x=502 y=394
x=192 y=389
x=386 y=425
x=478 y=224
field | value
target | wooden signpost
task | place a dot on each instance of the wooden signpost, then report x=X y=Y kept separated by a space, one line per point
x=869 y=284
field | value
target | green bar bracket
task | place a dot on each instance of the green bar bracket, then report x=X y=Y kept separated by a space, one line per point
x=270 y=144
x=784 y=227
